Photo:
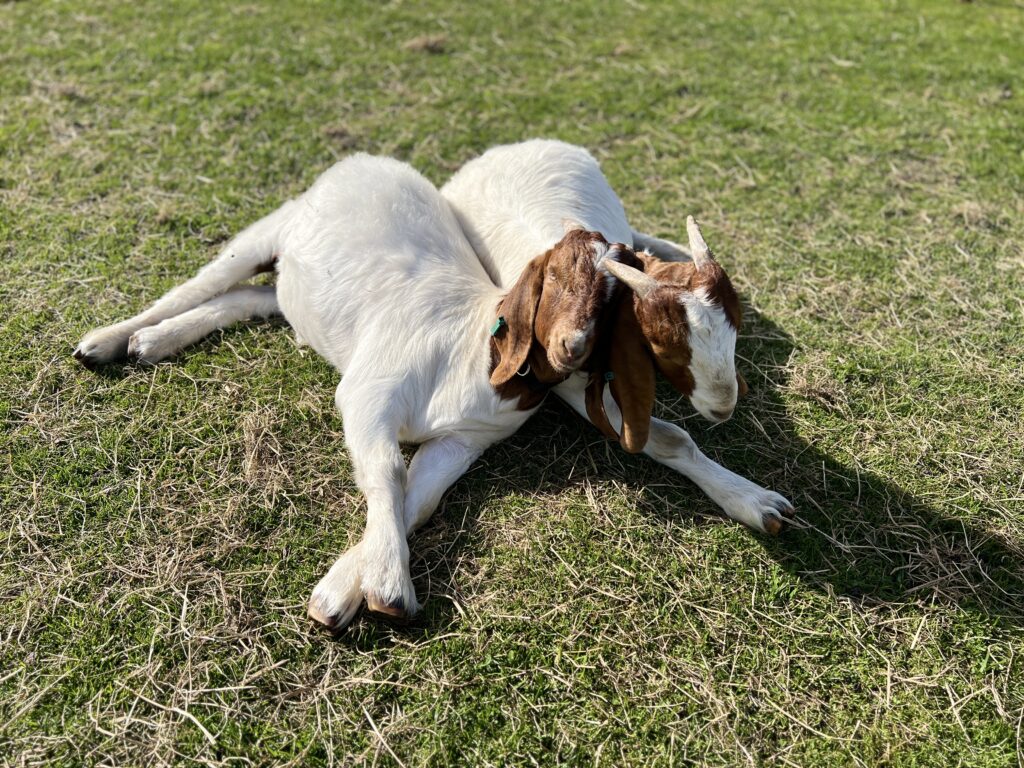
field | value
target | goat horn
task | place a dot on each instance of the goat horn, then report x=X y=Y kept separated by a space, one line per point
x=701 y=253
x=641 y=283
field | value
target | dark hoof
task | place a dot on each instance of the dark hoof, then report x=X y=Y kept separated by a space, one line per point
x=325 y=621
x=86 y=360
x=772 y=525
x=393 y=611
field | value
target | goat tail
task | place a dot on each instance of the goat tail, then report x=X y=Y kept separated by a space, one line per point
x=252 y=251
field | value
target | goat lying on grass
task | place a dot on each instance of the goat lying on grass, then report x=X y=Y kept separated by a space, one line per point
x=376 y=275
x=681 y=317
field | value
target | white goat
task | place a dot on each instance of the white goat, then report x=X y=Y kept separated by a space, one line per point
x=375 y=274
x=512 y=202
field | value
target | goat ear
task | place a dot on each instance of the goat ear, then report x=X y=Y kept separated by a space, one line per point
x=594 y=401
x=519 y=308
x=633 y=384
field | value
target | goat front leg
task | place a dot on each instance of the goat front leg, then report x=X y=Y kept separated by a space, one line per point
x=663 y=249
x=668 y=444
x=377 y=568
x=436 y=465
x=742 y=500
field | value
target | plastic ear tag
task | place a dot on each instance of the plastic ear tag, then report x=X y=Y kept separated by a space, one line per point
x=498 y=325
x=608 y=376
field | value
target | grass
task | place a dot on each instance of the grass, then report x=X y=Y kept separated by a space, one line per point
x=857 y=168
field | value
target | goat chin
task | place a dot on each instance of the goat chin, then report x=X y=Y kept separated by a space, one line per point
x=563 y=366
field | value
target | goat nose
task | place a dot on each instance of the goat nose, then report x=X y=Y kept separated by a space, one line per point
x=568 y=347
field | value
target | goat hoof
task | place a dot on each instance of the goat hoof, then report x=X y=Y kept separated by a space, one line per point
x=147 y=347
x=394 y=611
x=104 y=345
x=85 y=359
x=772 y=524
x=325 y=620
x=332 y=622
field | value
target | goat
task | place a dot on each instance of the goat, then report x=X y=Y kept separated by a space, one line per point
x=375 y=274
x=681 y=318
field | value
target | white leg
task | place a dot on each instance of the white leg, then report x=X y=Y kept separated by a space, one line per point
x=742 y=500
x=157 y=342
x=665 y=250
x=252 y=251
x=379 y=564
x=436 y=465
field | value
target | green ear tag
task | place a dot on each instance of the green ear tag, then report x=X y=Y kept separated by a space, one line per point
x=608 y=376
x=498 y=325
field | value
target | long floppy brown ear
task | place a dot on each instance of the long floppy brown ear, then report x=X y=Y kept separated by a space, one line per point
x=594 y=401
x=633 y=383
x=519 y=309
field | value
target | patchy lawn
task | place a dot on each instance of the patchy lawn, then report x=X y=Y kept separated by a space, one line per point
x=858 y=168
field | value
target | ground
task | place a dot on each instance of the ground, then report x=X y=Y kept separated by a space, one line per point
x=857 y=168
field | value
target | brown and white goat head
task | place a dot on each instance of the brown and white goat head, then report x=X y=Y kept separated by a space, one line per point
x=685 y=316
x=552 y=311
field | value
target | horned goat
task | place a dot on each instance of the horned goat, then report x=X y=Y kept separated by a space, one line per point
x=681 y=318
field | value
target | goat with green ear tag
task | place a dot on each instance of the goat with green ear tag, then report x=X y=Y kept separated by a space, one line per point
x=678 y=317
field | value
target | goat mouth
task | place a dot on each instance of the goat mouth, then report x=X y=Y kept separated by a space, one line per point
x=717 y=416
x=564 y=367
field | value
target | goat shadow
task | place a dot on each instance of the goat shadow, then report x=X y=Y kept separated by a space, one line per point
x=862 y=537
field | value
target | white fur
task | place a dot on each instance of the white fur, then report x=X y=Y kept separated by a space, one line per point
x=375 y=273
x=247 y=254
x=512 y=202
x=158 y=342
x=712 y=342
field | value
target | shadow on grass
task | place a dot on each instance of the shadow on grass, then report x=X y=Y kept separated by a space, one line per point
x=865 y=538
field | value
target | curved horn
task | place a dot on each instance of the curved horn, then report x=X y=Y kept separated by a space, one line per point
x=641 y=283
x=701 y=253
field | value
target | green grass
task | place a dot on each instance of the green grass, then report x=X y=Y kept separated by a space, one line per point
x=858 y=169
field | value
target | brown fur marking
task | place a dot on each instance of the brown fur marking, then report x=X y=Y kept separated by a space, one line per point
x=561 y=286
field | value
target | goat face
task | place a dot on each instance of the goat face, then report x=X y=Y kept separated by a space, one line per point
x=556 y=305
x=690 y=323
x=574 y=293
x=688 y=315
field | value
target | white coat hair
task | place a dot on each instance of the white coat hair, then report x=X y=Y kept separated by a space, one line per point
x=376 y=275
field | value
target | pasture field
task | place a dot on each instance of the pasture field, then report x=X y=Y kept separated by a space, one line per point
x=859 y=170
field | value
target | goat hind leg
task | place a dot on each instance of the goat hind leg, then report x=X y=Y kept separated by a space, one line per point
x=157 y=342
x=663 y=249
x=252 y=251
